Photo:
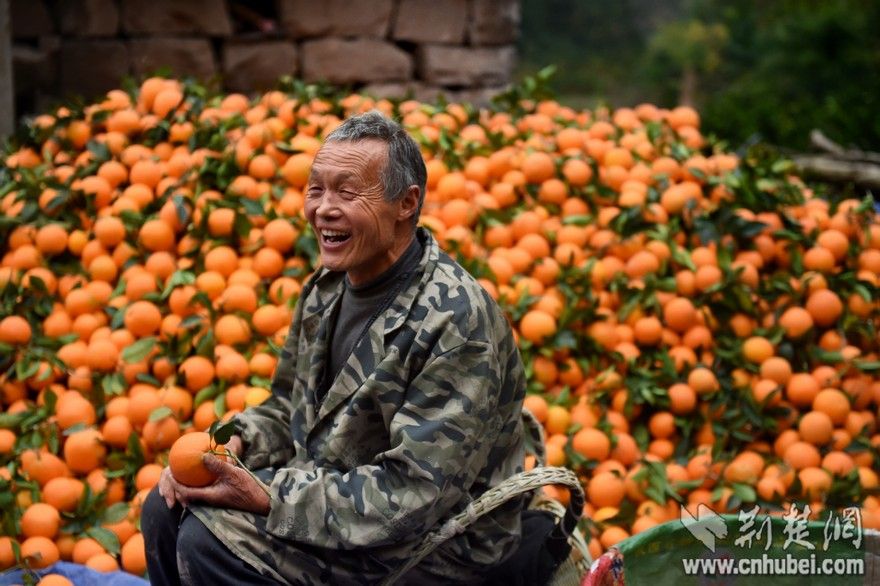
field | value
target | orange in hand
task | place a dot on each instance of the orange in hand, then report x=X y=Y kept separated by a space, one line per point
x=185 y=459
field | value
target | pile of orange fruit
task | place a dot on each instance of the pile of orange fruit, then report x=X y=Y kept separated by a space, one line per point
x=697 y=326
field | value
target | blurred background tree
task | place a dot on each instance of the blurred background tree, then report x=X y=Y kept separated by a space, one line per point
x=757 y=71
x=688 y=50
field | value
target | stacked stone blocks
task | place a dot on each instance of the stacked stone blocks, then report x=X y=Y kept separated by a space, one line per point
x=464 y=49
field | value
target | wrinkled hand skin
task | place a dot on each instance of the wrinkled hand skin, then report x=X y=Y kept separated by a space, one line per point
x=235 y=446
x=234 y=487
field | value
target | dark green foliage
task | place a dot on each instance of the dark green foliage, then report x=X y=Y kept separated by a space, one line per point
x=800 y=66
x=762 y=71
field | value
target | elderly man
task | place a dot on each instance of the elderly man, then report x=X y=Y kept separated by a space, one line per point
x=396 y=402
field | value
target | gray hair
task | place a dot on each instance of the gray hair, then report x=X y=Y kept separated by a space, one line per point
x=404 y=166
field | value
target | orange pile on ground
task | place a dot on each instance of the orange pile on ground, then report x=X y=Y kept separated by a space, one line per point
x=697 y=328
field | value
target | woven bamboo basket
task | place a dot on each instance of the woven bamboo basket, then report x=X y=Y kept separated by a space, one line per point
x=572 y=570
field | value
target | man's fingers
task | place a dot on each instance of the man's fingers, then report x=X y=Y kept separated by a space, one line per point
x=182 y=494
x=189 y=494
x=234 y=445
x=168 y=497
x=166 y=488
x=215 y=464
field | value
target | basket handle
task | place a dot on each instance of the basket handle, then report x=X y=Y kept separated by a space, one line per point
x=533 y=437
x=493 y=498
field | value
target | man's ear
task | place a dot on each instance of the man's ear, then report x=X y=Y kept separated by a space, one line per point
x=409 y=203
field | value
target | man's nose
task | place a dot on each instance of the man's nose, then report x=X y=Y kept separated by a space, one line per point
x=328 y=205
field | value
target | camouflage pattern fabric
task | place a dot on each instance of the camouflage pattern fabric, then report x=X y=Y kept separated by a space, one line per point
x=424 y=417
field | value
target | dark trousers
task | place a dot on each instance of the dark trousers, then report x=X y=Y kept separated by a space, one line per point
x=181 y=551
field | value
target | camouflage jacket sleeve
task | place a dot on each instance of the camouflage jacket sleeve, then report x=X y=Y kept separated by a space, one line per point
x=265 y=429
x=439 y=440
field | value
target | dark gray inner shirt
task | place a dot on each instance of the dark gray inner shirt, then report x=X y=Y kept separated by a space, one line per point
x=360 y=305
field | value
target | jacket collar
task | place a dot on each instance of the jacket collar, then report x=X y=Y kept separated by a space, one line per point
x=328 y=288
x=329 y=285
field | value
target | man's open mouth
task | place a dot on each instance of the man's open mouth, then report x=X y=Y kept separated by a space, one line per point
x=334 y=236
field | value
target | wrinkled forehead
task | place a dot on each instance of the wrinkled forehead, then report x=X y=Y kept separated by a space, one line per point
x=360 y=156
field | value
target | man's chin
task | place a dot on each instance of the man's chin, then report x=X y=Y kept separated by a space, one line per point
x=332 y=264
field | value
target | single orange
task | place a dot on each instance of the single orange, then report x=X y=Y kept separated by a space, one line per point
x=185 y=459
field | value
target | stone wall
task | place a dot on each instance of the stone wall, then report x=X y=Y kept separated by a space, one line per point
x=463 y=48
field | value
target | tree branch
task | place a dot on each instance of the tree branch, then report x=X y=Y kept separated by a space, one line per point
x=831 y=168
x=823 y=143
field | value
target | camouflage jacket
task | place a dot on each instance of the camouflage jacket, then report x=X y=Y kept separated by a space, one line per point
x=422 y=419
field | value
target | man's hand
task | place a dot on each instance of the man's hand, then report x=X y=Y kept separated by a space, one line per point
x=173 y=492
x=233 y=489
x=168 y=487
x=235 y=446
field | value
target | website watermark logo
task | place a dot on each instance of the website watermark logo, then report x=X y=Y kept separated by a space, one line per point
x=705 y=526
x=789 y=546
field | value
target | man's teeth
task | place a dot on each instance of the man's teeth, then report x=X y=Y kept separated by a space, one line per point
x=333 y=233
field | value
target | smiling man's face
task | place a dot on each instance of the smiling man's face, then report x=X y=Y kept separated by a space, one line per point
x=358 y=231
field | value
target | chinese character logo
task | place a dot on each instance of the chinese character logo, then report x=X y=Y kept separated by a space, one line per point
x=706 y=526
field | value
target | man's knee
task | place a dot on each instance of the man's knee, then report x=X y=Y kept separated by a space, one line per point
x=157 y=520
x=203 y=559
x=193 y=535
x=196 y=544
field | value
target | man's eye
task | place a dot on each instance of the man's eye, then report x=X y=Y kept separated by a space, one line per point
x=347 y=193
x=314 y=192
